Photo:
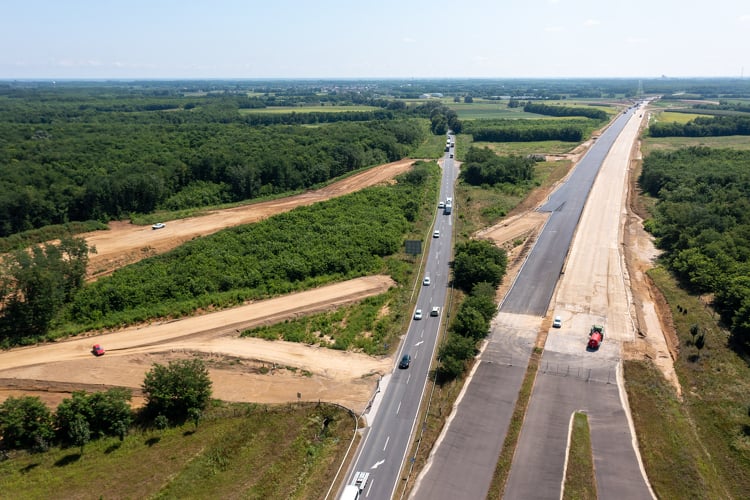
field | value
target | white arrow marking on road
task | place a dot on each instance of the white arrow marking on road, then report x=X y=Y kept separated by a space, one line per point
x=420 y=342
x=378 y=464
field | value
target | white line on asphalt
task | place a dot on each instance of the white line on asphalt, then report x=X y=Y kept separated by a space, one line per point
x=386 y=442
x=399 y=408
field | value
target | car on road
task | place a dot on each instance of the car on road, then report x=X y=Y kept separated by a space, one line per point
x=441 y=204
x=451 y=155
x=557 y=322
x=436 y=233
x=405 y=362
x=435 y=311
x=159 y=225
x=418 y=314
x=97 y=350
x=426 y=281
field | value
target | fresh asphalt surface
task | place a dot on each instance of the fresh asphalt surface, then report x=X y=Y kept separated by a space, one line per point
x=383 y=451
x=463 y=462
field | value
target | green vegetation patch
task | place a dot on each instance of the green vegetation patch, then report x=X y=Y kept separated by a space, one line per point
x=716 y=382
x=365 y=326
x=250 y=451
x=580 y=481
x=340 y=239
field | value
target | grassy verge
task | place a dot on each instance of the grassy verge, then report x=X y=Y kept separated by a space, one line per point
x=248 y=451
x=715 y=438
x=580 y=482
x=502 y=470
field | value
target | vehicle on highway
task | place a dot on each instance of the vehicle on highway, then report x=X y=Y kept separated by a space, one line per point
x=159 y=225
x=557 y=322
x=435 y=311
x=596 y=336
x=405 y=362
x=97 y=350
x=451 y=155
x=436 y=233
x=426 y=281
x=418 y=314
x=441 y=204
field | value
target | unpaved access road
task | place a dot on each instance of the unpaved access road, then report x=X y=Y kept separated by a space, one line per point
x=125 y=243
x=242 y=369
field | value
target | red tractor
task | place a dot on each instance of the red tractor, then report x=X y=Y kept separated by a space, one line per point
x=596 y=336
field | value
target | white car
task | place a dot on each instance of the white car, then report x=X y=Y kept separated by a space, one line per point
x=441 y=204
x=159 y=225
x=436 y=233
x=435 y=311
x=418 y=314
x=557 y=322
x=426 y=281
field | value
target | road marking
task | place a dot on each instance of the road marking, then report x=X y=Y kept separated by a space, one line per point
x=368 y=489
x=408 y=378
x=418 y=343
x=399 y=406
x=386 y=442
x=378 y=464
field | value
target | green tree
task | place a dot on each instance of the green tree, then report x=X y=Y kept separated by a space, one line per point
x=25 y=423
x=36 y=284
x=478 y=261
x=173 y=390
x=79 y=432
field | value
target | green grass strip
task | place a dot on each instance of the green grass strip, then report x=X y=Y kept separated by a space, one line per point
x=580 y=481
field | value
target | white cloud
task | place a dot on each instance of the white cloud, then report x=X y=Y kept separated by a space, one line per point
x=636 y=40
x=591 y=22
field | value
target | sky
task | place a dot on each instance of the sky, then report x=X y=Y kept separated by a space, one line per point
x=249 y=39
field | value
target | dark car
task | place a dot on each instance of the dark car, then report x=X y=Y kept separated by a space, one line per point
x=97 y=350
x=405 y=361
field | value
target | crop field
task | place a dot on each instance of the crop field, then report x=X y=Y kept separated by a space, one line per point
x=528 y=148
x=650 y=144
x=668 y=116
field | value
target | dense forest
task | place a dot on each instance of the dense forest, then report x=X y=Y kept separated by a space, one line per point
x=702 y=221
x=703 y=126
x=573 y=130
x=105 y=165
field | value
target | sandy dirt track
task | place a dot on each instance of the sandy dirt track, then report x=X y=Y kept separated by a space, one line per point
x=236 y=363
x=125 y=243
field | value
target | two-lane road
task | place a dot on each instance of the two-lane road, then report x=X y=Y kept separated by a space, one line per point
x=387 y=441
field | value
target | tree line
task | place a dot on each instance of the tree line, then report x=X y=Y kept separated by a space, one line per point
x=479 y=268
x=545 y=109
x=174 y=393
x=482 y=166
x=703 y=126
x=702 y=222
x=528 y=130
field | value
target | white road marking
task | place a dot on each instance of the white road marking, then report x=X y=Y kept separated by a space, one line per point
x=386 y=441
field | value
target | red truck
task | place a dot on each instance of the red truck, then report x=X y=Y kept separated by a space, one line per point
x=596 y=336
